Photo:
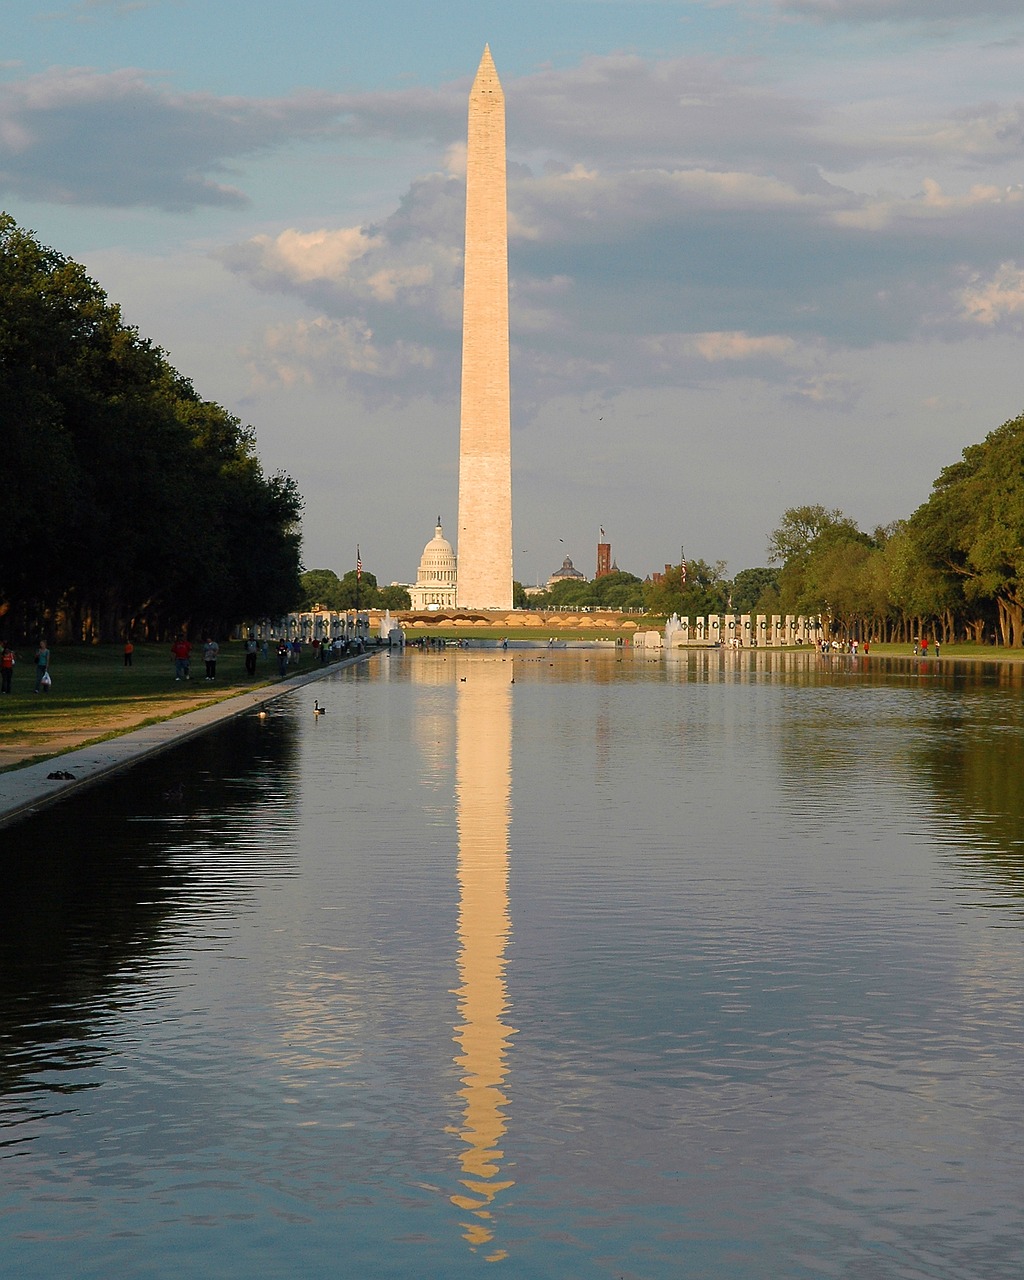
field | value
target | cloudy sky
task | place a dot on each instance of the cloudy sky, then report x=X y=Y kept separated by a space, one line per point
x=762 y=252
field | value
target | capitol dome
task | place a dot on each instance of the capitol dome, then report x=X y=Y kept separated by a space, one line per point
x=435 y=578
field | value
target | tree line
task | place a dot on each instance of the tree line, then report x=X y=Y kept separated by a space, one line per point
x=357 y=589
x=131 y=504
x=954 y=569
x=695 y=589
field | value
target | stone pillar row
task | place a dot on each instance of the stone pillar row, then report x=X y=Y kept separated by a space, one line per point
x=747 y=631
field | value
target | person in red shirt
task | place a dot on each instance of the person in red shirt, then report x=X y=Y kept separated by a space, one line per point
x=182 y=651
x=6 y=669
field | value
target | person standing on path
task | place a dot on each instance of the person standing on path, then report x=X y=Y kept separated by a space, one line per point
x=42 y=664
x=210 y=651
x=6 y=668
x=182 y=652
x=250 y=656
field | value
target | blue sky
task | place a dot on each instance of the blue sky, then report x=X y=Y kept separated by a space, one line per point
x=762 y=253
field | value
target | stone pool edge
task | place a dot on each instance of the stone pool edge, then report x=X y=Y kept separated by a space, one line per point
x=25 y=791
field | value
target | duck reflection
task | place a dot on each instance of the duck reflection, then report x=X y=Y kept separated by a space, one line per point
x=483 y=794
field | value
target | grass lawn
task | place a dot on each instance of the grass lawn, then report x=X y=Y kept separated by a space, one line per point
x=982 y=652
x=95 y=696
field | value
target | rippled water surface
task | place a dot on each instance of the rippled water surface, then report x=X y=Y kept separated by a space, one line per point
x=700 y=966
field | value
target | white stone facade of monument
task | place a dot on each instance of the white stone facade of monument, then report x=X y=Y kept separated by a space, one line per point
x=485 y=456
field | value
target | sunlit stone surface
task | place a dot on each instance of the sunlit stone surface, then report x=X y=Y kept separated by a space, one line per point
x=485 y=458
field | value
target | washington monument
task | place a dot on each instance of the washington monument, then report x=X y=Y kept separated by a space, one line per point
x=485 y=456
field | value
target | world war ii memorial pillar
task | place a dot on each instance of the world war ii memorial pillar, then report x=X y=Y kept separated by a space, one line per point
x=485 y=455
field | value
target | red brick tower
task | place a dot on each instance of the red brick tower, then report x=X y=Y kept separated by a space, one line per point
x=604 y=557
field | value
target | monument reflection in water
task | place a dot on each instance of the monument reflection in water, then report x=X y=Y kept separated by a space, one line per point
x=706 y=967
x=483 y=795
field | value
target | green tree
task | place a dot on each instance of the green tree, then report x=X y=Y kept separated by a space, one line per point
x=358 y=591
x=704 y=590
x=394 y=597
x=323 y=587
x=806 y=529
x=154 y=497
x=567 y=592
x=972 y=527
x=917 y=589
x=320 y=587
x=752 y=586
x=619 y=590
x=815 y=545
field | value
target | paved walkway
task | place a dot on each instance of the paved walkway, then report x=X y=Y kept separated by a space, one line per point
x=24 y=791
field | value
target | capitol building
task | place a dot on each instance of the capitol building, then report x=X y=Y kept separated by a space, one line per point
x=435 y=578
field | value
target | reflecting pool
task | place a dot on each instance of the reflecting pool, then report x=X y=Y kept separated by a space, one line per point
x=540 y=963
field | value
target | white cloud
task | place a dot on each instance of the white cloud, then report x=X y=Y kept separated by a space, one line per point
x=404 y=271
x=834 y=389
x=930 y=203
x=315 y=255
x=309 y=352
x=670 y=223
x=997 y=301
x=742 y=346
x=637 y=277
x=690 y=350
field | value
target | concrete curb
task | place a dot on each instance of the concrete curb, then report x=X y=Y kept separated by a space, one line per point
x=27 y=790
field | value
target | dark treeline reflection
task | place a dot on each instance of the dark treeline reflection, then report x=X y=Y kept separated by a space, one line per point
x=974 y=765
x=953 y=731
x=94 y=888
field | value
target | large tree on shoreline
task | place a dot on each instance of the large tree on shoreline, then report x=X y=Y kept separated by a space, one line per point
x=130 y=502
x=971 y=529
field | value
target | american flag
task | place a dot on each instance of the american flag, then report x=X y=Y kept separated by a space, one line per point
x=359 y=565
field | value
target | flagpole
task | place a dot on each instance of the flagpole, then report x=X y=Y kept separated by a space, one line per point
x=359 y=574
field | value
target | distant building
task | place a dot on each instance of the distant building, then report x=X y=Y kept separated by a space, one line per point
x=672 y=571
x=568 y=570
x=436 y=576
x=604 y=558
